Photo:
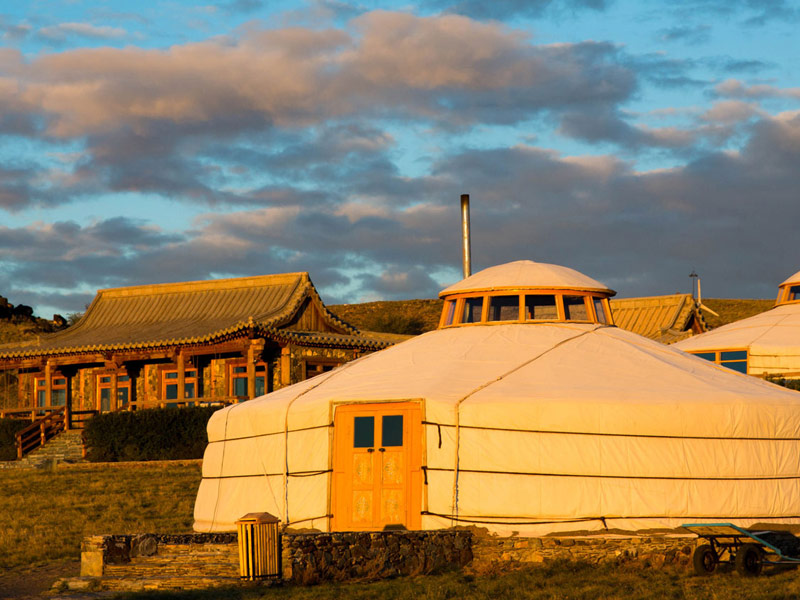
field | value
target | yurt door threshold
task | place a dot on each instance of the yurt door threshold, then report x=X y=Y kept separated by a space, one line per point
x=377 y=460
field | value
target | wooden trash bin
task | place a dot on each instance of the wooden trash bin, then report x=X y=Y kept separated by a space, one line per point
x=259 y=546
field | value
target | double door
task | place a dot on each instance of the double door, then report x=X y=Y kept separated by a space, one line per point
x=377 y=458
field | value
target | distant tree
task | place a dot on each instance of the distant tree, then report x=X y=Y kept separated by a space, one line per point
x=393 y=323
x=73 y=318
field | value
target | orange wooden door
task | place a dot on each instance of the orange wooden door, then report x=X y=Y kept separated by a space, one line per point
x=377 y=459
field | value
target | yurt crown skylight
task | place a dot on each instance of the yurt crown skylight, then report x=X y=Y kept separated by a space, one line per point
x=789 y=290
x=523 y=292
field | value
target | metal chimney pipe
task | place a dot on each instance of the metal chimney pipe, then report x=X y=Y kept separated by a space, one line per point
x=465 y=236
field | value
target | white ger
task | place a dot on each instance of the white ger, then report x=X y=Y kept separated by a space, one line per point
x=526 y=411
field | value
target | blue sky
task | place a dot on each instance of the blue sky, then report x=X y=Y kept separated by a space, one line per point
x=168 y=141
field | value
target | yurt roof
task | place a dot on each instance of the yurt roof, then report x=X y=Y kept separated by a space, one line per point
x=560 y=377
x=775 y=331
x=794 y=279
x=526 y=274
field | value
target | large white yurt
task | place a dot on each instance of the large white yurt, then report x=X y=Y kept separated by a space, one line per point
x=764 y=344
x=526 y=411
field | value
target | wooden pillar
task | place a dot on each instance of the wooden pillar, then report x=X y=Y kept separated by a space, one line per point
x=114 y=400
x=48 y=390
x=251 y=371
x=286 y=365
x=181 y=377
x=68 y=404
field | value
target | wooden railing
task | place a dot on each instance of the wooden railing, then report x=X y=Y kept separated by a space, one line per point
x=79 y=418
x=29 y=414
x=204 y=401
x=38 y=432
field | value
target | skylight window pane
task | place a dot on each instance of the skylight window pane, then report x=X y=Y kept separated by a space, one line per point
x=472 y=310
x=600 y=311
x=575 y=308
x=538 y=308
x=504 y=308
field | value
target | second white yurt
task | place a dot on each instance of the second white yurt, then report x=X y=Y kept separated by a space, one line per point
x=526 y=411
x=761 y=345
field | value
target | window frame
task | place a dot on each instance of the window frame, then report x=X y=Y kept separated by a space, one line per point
x=785 y=292
x=100 y=385
x=323 y=362
x=243 y=363
x=186 y=380
x=54 y=387
x=588 y=299
x=719 y=361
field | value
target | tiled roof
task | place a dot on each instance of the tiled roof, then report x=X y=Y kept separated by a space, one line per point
x=666 y=319
x=193 y=312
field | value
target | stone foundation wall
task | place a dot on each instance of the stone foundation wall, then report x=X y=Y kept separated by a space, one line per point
x=194 y=561
x=312 y=558
x=647 y=551
x=147 y=562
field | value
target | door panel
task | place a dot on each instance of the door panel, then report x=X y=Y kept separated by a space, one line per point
x=377 y=458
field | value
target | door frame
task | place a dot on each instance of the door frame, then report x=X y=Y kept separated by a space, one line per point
x=423 y=488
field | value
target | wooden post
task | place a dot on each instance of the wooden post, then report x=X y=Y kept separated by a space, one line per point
x=181 y=378
x=48 y=391
x=251 y=371
x=286 y=365
x=114 y=404
x=68 y=406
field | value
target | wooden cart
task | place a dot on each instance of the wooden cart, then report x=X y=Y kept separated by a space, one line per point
x=747 y=551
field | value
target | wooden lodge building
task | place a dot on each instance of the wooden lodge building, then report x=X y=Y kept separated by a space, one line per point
x=665 y=319
x=176 y=344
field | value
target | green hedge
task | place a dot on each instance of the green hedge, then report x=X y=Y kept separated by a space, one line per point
x=792 y=384
x=8 y=443
x=152 y=434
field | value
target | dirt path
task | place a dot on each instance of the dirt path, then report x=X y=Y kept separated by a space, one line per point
x=28 y=583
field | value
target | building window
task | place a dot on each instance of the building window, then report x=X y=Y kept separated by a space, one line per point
x=318 y=367
x=238 y=379
x=794 y=293
x=733 y=359
x=503 y=308
x=104 y=392
x=540 y=308
x=169 y=382
x=600 y=310
x=58 y=391
x=449 y=312
x=473 y=307
x=575 y=308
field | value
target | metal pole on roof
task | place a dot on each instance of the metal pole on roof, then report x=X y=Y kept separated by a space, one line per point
x=465 y=236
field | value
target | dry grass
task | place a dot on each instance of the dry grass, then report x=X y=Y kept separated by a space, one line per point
x=44 y=514
x=559 y=580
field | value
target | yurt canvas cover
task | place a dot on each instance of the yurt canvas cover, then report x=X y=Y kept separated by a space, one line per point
x=530 y=428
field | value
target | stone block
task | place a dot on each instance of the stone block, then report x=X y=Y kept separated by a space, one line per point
x=92 y=563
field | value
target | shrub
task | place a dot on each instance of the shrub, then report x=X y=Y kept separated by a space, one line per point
x=792 y=384
x=8 y=443
x=151 y=434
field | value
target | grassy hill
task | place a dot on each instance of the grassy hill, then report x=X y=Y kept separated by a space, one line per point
x=409 y=317
x=732 y=309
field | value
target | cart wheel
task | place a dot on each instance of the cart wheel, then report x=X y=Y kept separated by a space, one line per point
x=749 y=560
x=705 y=560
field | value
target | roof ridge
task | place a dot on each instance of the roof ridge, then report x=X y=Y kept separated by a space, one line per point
x=178 y=287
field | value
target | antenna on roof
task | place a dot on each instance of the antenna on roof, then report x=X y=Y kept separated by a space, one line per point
x=698 y=300
x=465 y=236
